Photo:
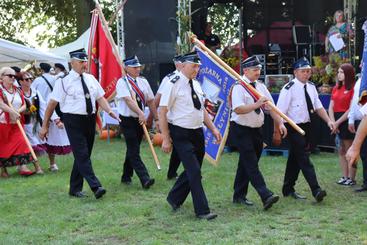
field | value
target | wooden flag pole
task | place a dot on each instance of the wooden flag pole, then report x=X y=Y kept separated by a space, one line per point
x=237 y=76
x=116 y=53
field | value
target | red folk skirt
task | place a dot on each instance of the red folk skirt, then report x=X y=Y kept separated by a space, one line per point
x=13 y=147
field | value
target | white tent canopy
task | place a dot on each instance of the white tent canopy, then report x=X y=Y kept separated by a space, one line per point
x=14 y=54
x=81 y=42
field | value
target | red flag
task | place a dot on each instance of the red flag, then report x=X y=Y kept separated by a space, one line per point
x=104 y=63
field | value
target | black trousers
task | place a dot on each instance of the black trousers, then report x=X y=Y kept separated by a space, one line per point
x=189 y=144
x=133 y=133
x=81 y=131
x=363 y=154
x=174 y=163
x=299 y=160
x=249 y=142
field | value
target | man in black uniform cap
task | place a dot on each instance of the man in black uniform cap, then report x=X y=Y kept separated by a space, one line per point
x=77 y=94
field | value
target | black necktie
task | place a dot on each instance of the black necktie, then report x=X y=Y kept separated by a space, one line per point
x=253 y=84
x=309 y=102
x=88 y=101
x=195 y=98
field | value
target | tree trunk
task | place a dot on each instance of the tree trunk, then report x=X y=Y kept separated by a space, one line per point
x=83 y=15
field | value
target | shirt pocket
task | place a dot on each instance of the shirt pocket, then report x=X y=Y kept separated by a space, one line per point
x=183 y=97
x=70 y=91
x=297 y=104
x=93 y=91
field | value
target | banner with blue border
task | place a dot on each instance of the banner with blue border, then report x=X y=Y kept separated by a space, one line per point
x=216 y=84
x=363 y=88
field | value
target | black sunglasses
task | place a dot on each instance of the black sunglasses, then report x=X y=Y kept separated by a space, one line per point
x=27 y=79
x=10 y=75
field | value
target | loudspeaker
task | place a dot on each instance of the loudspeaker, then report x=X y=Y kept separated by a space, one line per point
x=301 y=34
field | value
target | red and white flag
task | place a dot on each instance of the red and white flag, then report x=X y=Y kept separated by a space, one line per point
x=104 y=62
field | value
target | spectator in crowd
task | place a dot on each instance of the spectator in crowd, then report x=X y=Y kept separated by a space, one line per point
x=17 y=75
x=343 y=30
x=60 y=71
x=14 y=150
x=57 y=140
x=354 y=120
x=33 y=116
x=211 y=40
x=340 y=102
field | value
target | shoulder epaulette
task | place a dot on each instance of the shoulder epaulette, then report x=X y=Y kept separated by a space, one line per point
x=311 y=83
x=175 y=79
x=171 y=74
x=142 y=77
x=289 y=85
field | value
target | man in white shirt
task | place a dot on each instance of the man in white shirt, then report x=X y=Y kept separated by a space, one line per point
x=133 y=93
x=77 y=95
x=60 y=71
x=174 y=161
x=354 y=119
x=247 y=119
x=299 y=100
x=44 y=83
x=181 y=118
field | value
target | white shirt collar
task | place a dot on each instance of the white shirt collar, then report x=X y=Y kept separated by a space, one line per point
x=299 y=82
x=248 y=80
x=184 y=79
x=74 y=74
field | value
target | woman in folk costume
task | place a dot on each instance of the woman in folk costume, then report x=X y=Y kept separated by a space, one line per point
x=33 y=116
x=14 y=150
x=57 y=141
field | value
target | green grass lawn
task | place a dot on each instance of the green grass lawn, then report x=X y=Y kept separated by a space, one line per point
x=38 y=210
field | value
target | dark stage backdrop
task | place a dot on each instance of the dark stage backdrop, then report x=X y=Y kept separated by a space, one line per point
x=150 y=33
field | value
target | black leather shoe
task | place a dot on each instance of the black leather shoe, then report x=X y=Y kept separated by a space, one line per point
x=126 y=182
x=148 y=183
x=320 y=194
x=174 y=206
x=99 y=192
x=208 y=216
x=173 y=177
x=361 y=189
x=270 y=201
x=243 y=201
x=296 y=195
x=78 y=194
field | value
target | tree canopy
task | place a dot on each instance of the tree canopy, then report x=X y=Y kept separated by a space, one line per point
x=58 y=22
x=65 y=19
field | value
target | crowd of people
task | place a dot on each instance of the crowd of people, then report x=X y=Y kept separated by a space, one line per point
x=24 y=99
x=57 y=111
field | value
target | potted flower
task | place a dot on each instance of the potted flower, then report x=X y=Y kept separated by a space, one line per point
x=324 y=71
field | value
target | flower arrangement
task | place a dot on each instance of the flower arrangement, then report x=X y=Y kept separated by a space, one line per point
x=325 y=69
x=32 y=109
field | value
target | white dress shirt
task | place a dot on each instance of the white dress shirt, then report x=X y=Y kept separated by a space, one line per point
x=241 y=97
x=41 y=85
x=69 y=92
x=363 y=110
x=354 y=112
x=177 y=97
x=123 y=91
x=292 y=101
x=165 y=80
